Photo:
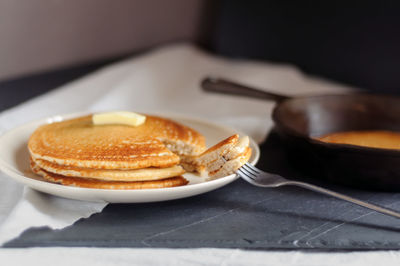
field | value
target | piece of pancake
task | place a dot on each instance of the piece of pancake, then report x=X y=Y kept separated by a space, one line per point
x=231 y=166
x=212 y=154
x=224 y=158
x=99 y=184
x=217 y=151
x=144 y=174
x=78 y=143
x=238 y=149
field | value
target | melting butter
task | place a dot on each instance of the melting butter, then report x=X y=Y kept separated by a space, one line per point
x=121 y=118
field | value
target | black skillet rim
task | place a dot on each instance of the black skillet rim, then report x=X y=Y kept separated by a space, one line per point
x=334 y=146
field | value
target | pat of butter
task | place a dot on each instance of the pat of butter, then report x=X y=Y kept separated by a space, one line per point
x=123 y=118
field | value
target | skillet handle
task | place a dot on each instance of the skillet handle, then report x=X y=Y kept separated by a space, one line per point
x=228 y=87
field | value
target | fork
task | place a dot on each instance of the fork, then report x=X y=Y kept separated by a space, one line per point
x=260 y=178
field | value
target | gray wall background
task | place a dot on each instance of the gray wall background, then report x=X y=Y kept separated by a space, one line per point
x=39 y=35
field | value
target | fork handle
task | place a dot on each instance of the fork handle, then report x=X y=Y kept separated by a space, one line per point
x=344 y=197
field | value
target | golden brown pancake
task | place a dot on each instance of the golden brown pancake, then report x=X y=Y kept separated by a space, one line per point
x=144 y=174
x=79 y=143
x=232 y=165
x=222 y=159
x=237 y=149
x=98 y=184
x=216 y=152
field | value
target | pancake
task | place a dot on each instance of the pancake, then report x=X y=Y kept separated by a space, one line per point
x=231 y=166
x=238 y=149
x=218 y=151
x=212 y=154
x=98 y=184
x=78 y=143
x=222 y=159
x=145 y=174
x=368 y=138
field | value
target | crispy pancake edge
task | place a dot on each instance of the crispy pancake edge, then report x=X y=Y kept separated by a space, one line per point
x=114 y=185
x=145 y=174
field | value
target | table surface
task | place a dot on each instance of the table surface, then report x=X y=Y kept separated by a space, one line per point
x=236 y=216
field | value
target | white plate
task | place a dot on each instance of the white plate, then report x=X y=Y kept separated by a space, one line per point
x=14 y=161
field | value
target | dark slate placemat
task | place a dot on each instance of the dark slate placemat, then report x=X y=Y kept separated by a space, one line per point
x=238 y=216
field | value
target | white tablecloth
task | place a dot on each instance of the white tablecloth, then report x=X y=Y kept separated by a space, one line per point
x=166 y=79
x=187 y=257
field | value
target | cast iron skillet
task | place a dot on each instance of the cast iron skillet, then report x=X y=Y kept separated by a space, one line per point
x=299 y=120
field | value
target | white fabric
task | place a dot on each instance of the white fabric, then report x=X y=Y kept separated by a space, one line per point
x=168 y=80
x=39 y=209
x=188 y=257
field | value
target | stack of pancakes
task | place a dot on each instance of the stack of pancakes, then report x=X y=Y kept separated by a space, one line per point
x=78 y=153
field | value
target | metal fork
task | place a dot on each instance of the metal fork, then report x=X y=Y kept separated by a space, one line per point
x=260 y=178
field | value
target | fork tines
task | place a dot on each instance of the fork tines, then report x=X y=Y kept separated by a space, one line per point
x=246 y=172
x=245 y=175
x=251 y=168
